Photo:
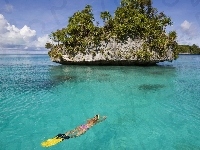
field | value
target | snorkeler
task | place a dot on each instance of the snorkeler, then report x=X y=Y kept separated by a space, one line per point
x=75 y=132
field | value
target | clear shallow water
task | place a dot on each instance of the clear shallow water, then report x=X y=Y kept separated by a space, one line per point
x=147 y=107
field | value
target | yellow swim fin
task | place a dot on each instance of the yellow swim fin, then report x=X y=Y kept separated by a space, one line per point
x=51 y=142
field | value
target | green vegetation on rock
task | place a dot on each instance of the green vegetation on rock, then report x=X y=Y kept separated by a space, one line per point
x=133 y=19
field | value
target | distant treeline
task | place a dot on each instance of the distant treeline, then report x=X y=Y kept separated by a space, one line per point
x=194 y=49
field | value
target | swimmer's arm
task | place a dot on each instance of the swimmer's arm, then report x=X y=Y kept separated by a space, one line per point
x=102 y=119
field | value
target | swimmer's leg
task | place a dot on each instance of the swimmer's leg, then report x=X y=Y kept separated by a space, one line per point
x=62 y=136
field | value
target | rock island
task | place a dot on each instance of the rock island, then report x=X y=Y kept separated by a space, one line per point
x=134 y=35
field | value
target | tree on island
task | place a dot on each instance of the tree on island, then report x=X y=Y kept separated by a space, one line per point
x=187 y=49
x=133 y=19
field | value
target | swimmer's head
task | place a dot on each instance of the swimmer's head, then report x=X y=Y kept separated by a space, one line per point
x=97 y=117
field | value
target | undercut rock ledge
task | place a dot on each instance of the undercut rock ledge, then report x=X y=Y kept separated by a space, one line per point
x=111 y=53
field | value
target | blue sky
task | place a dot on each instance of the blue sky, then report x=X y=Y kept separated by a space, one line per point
x=26 y=24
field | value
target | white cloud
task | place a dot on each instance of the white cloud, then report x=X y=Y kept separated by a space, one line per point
x=24 y=38
x=41 y=41
x=28 y=34
x=186 y=25
x=26 y=31
x=8 y=8
x=188 y=33
x=189 y=29
x=3 y=24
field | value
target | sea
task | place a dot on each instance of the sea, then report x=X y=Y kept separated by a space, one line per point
x=147 y=108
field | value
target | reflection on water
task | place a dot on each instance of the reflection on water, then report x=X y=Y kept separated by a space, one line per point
x=80 y=73
x=157 y=72
x=151 y=87
x=61 y=78
x=28 y=79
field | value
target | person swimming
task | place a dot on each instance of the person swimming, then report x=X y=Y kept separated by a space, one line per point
x=80 y=130
x=83 y=128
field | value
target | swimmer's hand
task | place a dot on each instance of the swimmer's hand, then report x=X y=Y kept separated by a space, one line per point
x=102 y=118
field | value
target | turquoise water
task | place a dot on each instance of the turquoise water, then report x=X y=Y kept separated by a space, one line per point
x=146 y=107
